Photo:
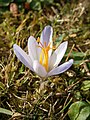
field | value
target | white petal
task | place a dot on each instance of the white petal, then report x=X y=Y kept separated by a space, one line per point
x=46 y=35
x=62 y=68
x=33 y=48
x=39 y=69
x=23 y=57
x=46 y=38
x=58 y=55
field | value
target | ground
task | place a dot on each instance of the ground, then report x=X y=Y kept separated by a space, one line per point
x=20 y=89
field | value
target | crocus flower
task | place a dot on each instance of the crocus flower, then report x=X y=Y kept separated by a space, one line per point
x=41 y=58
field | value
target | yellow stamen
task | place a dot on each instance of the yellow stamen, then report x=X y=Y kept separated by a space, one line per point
x=41 y=57
x=44 y=54
x=45 y=62
x=38 y=39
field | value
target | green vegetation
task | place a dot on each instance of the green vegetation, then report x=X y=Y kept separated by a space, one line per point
x=62 y=97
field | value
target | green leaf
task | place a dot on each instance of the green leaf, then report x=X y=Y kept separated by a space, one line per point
x=84 y=114
x=48 y=1
x=78 y=54
x=59 y=39
x=85 y=85
x=5 y=111
x=79 y=111
x=74 y=30
x=5 y=2
x=21 y=69
x=77 y=62
x=35 y=5
x=2 y=86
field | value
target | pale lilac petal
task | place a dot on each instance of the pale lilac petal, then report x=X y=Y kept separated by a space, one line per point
x=39 y=69
x=33 y=48
x=62 y=68
x=46 y=38
x=23 y=57
x=58 y=54
x=46 y=35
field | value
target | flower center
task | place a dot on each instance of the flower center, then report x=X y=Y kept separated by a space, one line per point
x=44 y=56
x=44 y=53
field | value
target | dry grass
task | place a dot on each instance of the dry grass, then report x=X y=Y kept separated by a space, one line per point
x=20 y=89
